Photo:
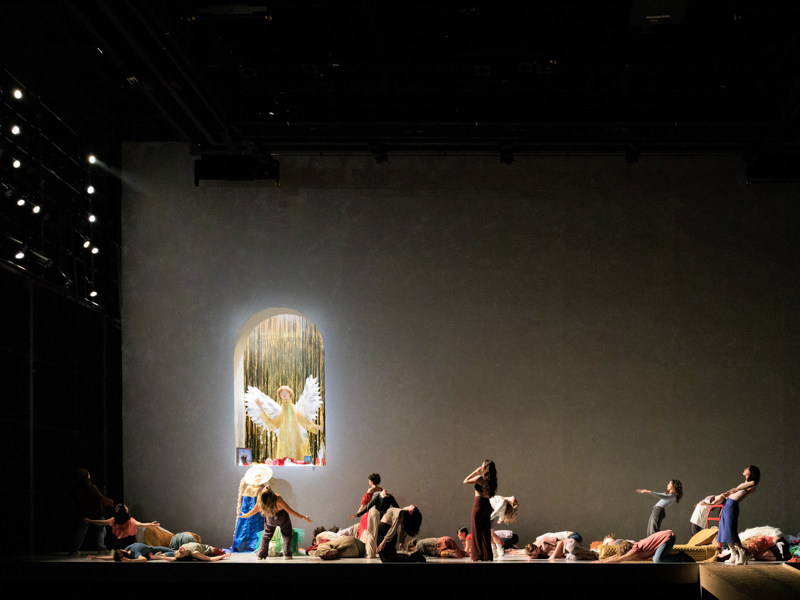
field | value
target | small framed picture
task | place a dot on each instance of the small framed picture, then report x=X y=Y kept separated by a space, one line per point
x=244 y=456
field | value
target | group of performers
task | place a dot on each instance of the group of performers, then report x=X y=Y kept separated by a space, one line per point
x=384 y=525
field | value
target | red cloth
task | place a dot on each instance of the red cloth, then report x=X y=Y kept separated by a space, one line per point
x=760 y=543
x=448 y=543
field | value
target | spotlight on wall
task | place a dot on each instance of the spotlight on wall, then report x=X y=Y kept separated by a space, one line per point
x=92 y=218
x=92 y=158
x=17 y=94
x=90 y=189
x=15 y=130
x=95 y=250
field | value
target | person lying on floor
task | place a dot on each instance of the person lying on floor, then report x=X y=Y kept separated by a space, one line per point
x=137 y=552
x=341 y=547
x=195 y=551
x=321 y=534
x=657 y=546
x=569 y=549
x=443 y=547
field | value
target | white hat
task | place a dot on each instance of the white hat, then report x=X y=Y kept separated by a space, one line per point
x=258 y=475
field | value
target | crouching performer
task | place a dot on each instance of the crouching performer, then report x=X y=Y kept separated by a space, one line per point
x=657 y=546
x=341 y=547
x=443 y=547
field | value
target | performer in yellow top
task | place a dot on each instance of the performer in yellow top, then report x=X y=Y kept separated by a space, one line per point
x=286 y=419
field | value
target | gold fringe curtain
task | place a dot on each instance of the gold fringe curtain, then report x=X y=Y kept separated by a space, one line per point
x=283 y=350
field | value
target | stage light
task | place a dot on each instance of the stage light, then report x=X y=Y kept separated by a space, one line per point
x=92 y=218
x=19 y=254
x=92 y=160
x=93 y=293
x=36 y=209
x=87 y=243
x=21 y=202
x=90 y=189
x=95 y=250
x=17 y=94
x=17 y=164
x=15 y=130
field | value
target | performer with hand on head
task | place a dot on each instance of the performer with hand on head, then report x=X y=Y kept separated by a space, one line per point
x=484 y=478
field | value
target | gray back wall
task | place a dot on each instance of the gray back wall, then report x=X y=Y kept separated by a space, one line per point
x=591 y=326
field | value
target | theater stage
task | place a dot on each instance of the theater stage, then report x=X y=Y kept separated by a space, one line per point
x=764 y=580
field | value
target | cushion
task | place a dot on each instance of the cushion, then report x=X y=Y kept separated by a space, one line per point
x=704 y=537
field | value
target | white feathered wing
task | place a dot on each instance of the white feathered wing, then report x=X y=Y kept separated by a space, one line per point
x=272 y=408
x=310 y=400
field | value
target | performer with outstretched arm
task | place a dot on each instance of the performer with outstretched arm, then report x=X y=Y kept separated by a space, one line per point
x=673 y=495
x=276 y=514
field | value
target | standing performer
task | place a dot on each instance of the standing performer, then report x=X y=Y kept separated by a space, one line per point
x=276 y=514
x=729 y=519
x=673 y=495
x=288 y=420
x=374 y=488
x=484 y=479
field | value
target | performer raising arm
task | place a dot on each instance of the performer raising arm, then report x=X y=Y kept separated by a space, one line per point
x=276 y=514
x=484 y=478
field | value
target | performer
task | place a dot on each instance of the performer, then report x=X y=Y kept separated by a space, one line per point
x=374 y=511
x=484 y=478
x=341 y=547
x=89 y=501
x=374 y=488
x=137 y=552
x=466 y=539
x=657 y=545
x=276 y=514
x=729 y=519
x=123 y=525
x=290 y=421
x=194 y=551
x=443 y=547
x=673 y=495
x=248 y=531
x=504 y=509
x=395 y=525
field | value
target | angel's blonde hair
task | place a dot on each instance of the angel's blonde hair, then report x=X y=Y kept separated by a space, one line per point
x=280 y=389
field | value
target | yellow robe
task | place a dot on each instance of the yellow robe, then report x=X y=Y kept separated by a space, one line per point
x=290 y=437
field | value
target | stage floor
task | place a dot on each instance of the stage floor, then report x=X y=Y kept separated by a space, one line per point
x=673 y=581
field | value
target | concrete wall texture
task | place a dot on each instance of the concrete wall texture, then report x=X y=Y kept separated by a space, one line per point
x=592 y=326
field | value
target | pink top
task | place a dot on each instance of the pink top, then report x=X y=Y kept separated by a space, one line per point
x=742 y=494
x=127 y=529
x=647 y=547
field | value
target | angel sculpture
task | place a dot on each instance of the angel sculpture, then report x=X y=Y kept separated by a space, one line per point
x=288 y=420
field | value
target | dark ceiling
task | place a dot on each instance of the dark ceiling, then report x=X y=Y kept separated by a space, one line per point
x=505 y=77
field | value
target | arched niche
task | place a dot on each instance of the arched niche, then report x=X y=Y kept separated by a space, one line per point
x=277 y=347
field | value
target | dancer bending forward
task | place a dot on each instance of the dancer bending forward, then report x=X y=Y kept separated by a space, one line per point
x=276 y=515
